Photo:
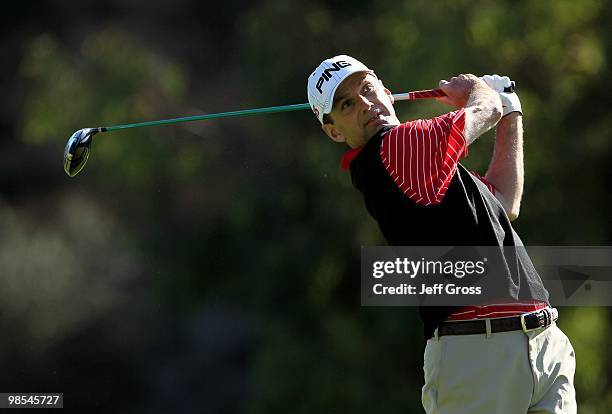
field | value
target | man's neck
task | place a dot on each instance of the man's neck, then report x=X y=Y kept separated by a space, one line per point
x=384 y=127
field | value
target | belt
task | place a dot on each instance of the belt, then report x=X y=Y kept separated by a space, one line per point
x=525 y=322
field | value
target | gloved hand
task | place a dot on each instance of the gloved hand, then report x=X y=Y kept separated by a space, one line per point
x=501 y=84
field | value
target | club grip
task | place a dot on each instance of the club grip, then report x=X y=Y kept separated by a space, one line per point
x=428 y=93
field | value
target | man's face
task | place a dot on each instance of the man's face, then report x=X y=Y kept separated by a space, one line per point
x=362 y=106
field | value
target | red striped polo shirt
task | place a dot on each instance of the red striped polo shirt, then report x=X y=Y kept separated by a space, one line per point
x=421 y=156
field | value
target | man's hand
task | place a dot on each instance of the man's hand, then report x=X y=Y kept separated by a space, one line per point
x=458 y=89
x=510 y=100
x=482 y=105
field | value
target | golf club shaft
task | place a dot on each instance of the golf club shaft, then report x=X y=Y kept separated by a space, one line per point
x=430 y=93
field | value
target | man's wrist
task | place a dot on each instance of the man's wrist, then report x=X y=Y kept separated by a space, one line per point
x=510 y=122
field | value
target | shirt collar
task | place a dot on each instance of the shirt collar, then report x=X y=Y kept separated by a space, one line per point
x=348 y=157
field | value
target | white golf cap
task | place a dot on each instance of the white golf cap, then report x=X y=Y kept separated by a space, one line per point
x=326 y=78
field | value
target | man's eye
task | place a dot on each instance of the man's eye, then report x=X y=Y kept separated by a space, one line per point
x=347 y=103
x=368 y=88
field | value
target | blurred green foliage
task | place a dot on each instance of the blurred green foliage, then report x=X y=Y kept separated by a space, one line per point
x=255 y=214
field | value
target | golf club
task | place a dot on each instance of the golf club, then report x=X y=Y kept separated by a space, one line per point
x=78 y=146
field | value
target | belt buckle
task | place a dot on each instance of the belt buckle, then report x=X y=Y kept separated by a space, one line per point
x=524 y=325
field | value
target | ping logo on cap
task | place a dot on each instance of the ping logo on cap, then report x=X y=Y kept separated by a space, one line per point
x=326 y=75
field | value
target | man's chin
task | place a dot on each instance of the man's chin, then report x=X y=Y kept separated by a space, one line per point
x=375 y=127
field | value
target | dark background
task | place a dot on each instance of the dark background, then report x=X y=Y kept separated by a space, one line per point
x=214 y=266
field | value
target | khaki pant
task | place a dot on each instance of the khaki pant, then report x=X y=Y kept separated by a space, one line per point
x=506 y=373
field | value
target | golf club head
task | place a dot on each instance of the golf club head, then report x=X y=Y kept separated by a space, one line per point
x=77 y=150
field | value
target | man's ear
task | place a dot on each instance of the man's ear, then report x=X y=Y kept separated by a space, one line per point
x=333 y=133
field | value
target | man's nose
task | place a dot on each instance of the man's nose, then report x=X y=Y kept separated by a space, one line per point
x=365 y=102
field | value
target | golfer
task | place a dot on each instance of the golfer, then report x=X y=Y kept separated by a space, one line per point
x=502 y=357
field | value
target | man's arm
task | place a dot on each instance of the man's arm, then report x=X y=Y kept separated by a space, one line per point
x=506 y=171
x=482 y=105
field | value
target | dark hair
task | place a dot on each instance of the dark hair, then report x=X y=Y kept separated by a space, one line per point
x=327 y=119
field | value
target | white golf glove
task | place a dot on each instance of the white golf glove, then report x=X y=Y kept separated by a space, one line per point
x=510 y=100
